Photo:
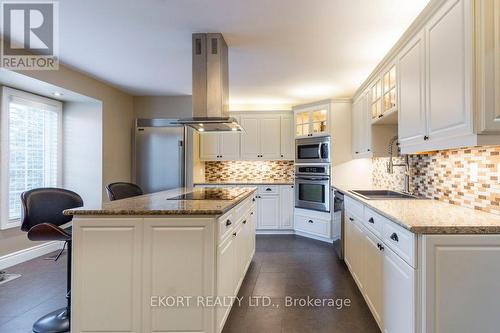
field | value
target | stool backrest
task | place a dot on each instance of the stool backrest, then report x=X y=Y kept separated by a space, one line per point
x=122 y=190
x=45 y=205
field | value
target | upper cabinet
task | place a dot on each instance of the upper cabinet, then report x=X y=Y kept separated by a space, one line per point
x=266 y=136
x=441 y=82
x=312 y=119
x=361 y=126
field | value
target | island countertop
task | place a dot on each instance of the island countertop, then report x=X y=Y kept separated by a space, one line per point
x=427 y=216
x=161 y=203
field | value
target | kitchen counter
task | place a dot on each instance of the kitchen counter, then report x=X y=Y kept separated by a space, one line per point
x=248 y=182
x=426 y=216
x=158 y=204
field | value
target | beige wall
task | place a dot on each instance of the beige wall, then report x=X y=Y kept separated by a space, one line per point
x=163 y=107
x=117 y=119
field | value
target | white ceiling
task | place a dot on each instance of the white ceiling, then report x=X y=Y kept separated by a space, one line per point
x=280 y=51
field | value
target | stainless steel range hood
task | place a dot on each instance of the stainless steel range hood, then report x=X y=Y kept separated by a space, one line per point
x=210 y=85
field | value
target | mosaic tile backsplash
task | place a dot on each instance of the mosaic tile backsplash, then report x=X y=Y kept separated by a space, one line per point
x=249 y=171
x=449 y=176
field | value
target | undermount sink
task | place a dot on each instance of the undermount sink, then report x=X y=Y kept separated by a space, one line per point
x=383 y=194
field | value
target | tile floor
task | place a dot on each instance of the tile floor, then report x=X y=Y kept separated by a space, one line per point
x=283 y=266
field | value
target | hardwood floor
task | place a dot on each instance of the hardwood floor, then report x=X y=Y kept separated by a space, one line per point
x=283 y=266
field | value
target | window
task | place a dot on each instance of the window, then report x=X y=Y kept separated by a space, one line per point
x=31 y=149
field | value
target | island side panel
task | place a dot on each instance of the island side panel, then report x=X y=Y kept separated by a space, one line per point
x=106 y=274
x=178 y=260
x=460 y=289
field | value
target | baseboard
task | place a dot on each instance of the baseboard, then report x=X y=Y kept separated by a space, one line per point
x=275 y=232
x=305 y=234
x=20 y=256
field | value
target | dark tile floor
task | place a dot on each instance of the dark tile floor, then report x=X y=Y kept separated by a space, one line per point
x=297 y=267
x=283 y=266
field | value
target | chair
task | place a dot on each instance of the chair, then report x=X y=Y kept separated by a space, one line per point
x=122 y=190
x=42 y=217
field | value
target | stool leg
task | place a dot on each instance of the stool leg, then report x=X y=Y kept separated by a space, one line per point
x=58 y=321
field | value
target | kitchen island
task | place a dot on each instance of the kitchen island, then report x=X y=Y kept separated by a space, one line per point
x=171 y=261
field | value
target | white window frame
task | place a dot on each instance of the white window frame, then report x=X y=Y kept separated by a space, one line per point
x=7 y=94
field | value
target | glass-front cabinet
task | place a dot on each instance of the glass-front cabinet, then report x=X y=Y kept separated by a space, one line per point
x=376 y=93
x=383 y=93
x=312 y=120
x=389 y=79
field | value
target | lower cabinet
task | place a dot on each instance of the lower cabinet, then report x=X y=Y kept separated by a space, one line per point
x=286 y=206
x=386 y=281
x=313 y=223
x=269 y=211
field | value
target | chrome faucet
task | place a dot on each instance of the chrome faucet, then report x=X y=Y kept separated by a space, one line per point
x=406 y=164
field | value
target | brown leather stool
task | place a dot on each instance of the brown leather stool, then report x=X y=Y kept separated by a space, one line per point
x=122 y=190
x=42 y=217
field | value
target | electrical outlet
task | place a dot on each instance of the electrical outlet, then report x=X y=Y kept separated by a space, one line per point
x=473 y=172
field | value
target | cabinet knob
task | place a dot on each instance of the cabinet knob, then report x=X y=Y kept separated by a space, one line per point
x=282 y=156
x=253 y=199
x=368 y=150
x=371 y=220
x=395 y=237
x=357 y=152
x=310 y=221
x=234 y=234
x=244 y=221
x=228 y=222
x=426 y=137
x=251 y=213
x=351 y=219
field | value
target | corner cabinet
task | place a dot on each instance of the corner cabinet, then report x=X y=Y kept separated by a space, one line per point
x=312 y=119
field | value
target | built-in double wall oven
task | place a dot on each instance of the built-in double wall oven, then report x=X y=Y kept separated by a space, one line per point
x=312 y=186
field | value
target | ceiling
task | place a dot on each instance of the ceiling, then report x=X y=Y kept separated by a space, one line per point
x=281 y=52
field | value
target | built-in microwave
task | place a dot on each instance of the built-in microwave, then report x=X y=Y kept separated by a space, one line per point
x=313 y=150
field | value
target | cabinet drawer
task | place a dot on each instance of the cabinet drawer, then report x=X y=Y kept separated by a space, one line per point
x=243 y=208
x=373 y=221
x=312 y=225
x=401 y=241
x=269 y=189
x=226 y=224
x=354 y=207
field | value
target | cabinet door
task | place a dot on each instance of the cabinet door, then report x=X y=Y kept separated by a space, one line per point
x=357 y=109
x=268 y=210
x=411 y=85
x=286 y=206
x=229 y=145
x=373 y=281
x=209 y=146
x=226 y=272
x=399 y=294
x=287 y=141
x=241 y=255
x=449 y=71
x=270 y=137
x=357 y=258
x=302 y=124
x=366 y=128
x=250 y=139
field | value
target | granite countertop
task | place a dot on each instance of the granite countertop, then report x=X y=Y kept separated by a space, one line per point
x=426 y=216
x=248 y=182
x=158 y=204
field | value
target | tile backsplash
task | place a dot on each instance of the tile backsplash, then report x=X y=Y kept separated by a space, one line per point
x=467 y=177
x=249 y=171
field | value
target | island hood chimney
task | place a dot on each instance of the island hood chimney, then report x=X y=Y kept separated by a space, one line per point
x=210 y=85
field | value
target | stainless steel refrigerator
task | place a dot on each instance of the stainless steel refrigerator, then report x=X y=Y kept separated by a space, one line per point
x=159 y=154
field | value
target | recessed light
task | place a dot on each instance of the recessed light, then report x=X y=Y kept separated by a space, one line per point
x=57 y=93
x=201 y=129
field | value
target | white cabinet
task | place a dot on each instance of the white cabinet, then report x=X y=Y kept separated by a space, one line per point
x=398 y=294
x=286 y=206
x=373 y=279
x=261 y=139
x=449 y=71
x=268 y=207
x=312 y=119
x=226 y=277
x=219 y=146
x=287 y=142
x=411 y=85
x=361 y=127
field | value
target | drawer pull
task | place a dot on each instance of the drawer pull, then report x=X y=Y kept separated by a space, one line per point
x=371 y=220
x=251 y=213
x=395 y=237
x=234 y=234
x=380 y=247
x=228 y=223
x=310 y=221
x=244 y=221
x=268 y=189
x=253 y=199
x=351 y=219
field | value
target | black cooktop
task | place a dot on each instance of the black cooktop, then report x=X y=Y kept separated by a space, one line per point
x=208 y=194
